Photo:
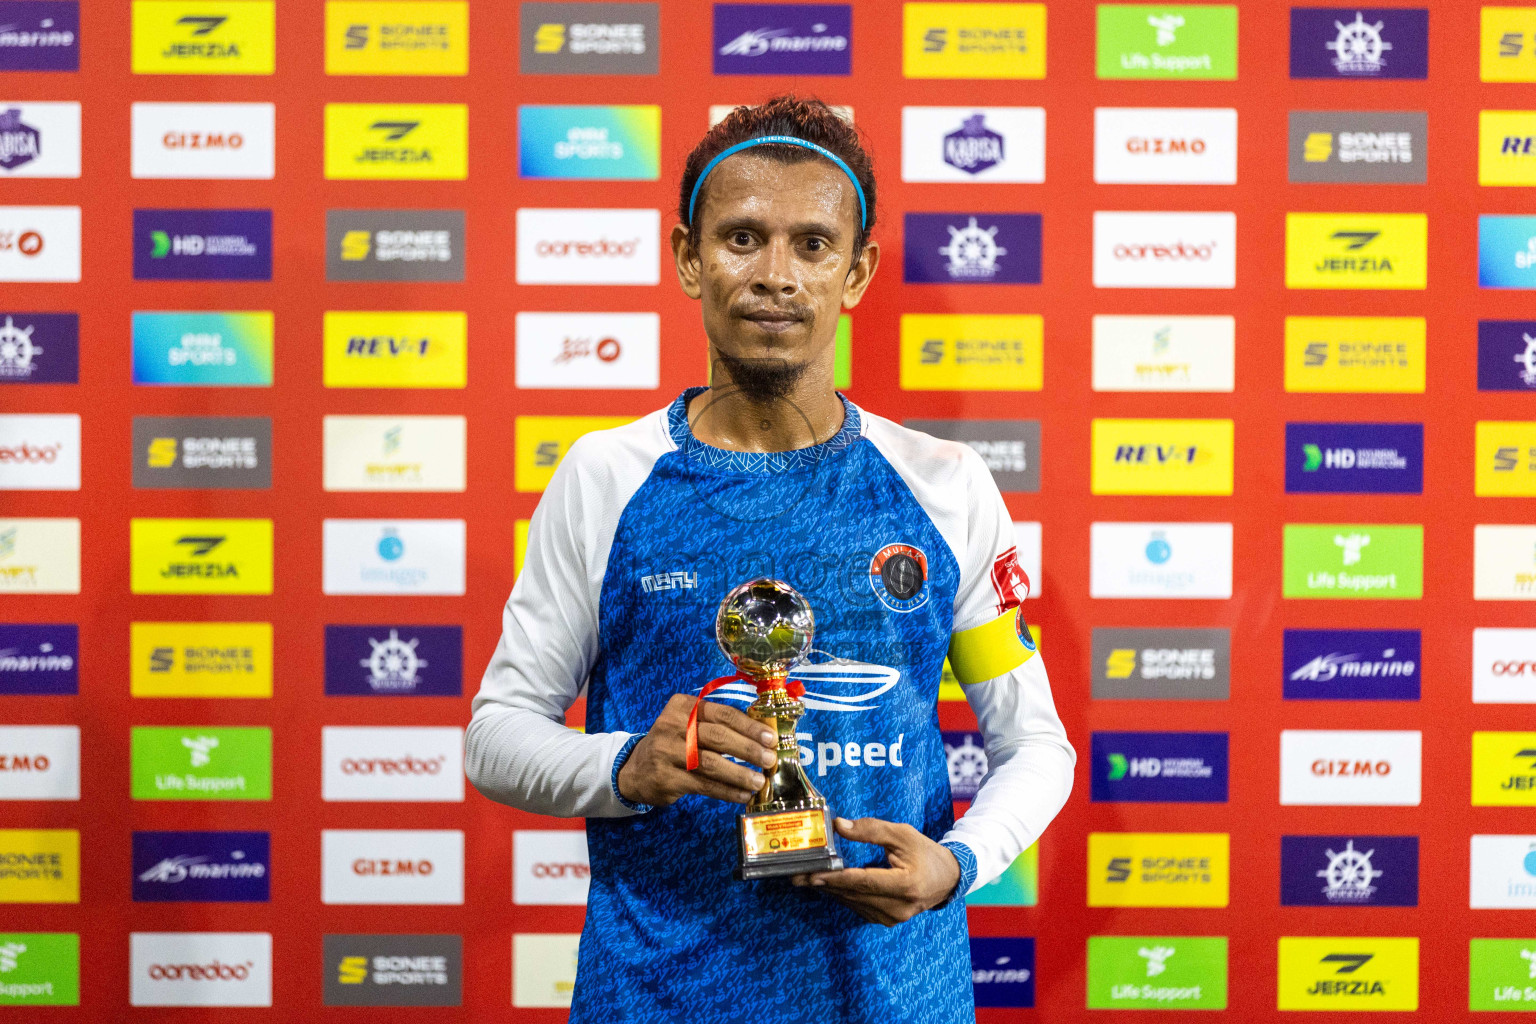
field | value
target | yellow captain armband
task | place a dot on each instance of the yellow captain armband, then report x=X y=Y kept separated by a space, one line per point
x=989 y=650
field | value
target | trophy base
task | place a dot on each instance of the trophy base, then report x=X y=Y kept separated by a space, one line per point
x=779 y=843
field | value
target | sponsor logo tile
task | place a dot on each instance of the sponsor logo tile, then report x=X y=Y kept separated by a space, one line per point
x=1161 y=664
x=202 y=245
x=1164 y=353
x=783 y=39
x=394 y=970
x=39 y=659
x=1158 y=869
x=582 y=350
x=40 y=35
x=1503 y=872
x=38 y=140
x=1503 y=666
x=966 y=248
x=1164 y=250
x=201 y=763
x=973 y=144
x=1350 y=768
x=1352 y=664
x=1346 y=354
x=39 y=243
x=39 y=865
x=543 y=969
x=589 y=143
x=40 y=348
x=1354 y=561
x=202 y=867
x=1348 y=973
x=1503 y=563
x=203 y=349
x=200 y=659
x=1143 y=41
x=1354 y=458
x=202 y=452
x=542 y=441
x=39 y=556
x=550 y=867
x=396 y=141
x=393 y=349
x=393 y=556
x=588 y=246
x=1003 y=971
x=390 y=661
x=1164 y=145
x=204 y=140
x=1358 y=146
x=1162 y=456
x=1349 y=871
x=589 y=38
x=40 y=969
x=1157 y=972
x=397 y=38
x=1363 y=43
x=394 y=245
x=39 y=762
x=1506 y=251
x=973 y=40
x=40 y=452
x=392 y=763
x=1357 y=250
x=1161 y=560
x=399 y=867
x=200 y=968
x=394 y=453
x=200 y=556
x=1159 y=767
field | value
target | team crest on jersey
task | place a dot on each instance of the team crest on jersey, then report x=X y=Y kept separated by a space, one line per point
x=897 y=574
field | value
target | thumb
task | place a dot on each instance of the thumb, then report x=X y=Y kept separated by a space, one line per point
x=869 y=830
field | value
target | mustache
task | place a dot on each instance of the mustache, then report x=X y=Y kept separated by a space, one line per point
x=795 y=310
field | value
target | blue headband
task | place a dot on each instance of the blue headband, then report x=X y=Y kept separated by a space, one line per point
x=783 y=140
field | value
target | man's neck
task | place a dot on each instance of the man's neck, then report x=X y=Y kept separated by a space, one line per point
x=726 y=417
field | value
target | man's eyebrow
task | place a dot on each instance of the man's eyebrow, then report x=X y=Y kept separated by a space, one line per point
x=806 y=227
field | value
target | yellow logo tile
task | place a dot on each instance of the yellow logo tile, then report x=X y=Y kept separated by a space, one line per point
x=1509 y=44
x=1506 y=147
x=396 y=141
x=959 y=40
x=1506 y=458
x=1504 y=769
x=1348 y=973
x=39 y=865
x=542 y=442
x=200 y=659
x=390 y=349
x=971 y=352
x=1356 y=250
x=225 y=37
x=1158 y=869
x=397 y=38
x=201 y=556
x=1162 y=456
x=1354 y=354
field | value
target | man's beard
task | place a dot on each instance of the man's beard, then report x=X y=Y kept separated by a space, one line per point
x=764 y=380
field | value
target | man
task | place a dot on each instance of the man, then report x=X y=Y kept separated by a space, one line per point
x=904 y=549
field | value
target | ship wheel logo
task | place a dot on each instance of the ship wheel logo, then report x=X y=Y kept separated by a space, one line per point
x=1358 y=47
x=393 y=663
x=1349 y=875
x=972 y=251
x=16 y=350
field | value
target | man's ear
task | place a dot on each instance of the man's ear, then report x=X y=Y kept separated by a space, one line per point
x=862 y=273
x=687 y=260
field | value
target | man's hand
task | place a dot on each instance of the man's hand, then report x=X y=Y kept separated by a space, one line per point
x=656 y=771
x=921 y=874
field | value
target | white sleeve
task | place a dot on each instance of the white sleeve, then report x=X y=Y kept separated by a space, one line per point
x=1029 y=759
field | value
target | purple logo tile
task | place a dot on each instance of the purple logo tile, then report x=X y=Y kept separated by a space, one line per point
x=783 y=39
x=1003 y=970
x=40 y=35
x=971 y=248
x=394 y=661
x=1359 y=42
x=39 y=659
x=967 y=757
x=1506 y=355
x=1354 y=458
x=202 y=245
x=1159 y=767
x=202 y=867
x=39 y=348
x=1349 y=871
x=1352 y=664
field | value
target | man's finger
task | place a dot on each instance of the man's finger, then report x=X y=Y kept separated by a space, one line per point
x=888 y=834
x=714 y=736
x=713 y=766
x=693 y=782
x=887 y=882
x=738 y=722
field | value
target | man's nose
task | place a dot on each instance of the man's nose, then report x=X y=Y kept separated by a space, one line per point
x=775 y=270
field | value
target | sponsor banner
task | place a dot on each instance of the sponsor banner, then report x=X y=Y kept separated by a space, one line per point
x=1503 y=563
x=392 y=763
x=1354 y=458
x=1349 y=768
x=1506 y=252
x=1508 y=38
x=40 y=243
x=973 y=144
x=972 y=352
x=542 y=441
x=201 y=556
x=1161 y=664
x=202 y=245
x=967 y=757
x=398 y=867
x=962 y=248
x=204 y=140
x=1349 y=871
x=40 y=348
x=1003 y=971
x=39 y=659
x=1164 y=353
x=39 y=865
x=1348 y=973
x=202 y=867
x=397 y=38
x=1346 y=560
x=619 y=143
x=543 y=969
x=200 y=659
x=40 y=452
x=394 y=970
x=1010 y=448
x=394 y=453
x=783 y=39
x=1500 y=969
x=1506 y=459
x=1352 y=664
x=1162 y=456
x=203 y=349
x=973 y=40
x=180 y=37
x=394 y=245
x=588 y=350
x=39 y=762
x=393 y=556
x=40 y=968
x=37 y=140
x=1158 y=869
x=1161 y=560
x=1017 y=886
x=1506 y=355
x=40 y=35
x=202 y=452
x=589 y=38
x=39 y=556
x=1141 y=41
x=1160 y=767
x=1503 y=872
x=1356 y=250
x=1355 y=354
x=550 y=867
x=394 y=349
x=1506 y=147
x=1378 y=42
x=1164 y=145
x=1503 y=666
x=1358 y=146
x=202 y=763
x=389 y=661
x=1164 y=250
x=1504 y=769
x=1157 y=972
x=396 y=141
x=200 y=968
x=588 y=246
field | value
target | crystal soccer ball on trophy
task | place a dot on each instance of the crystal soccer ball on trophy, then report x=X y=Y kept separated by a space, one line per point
x=765 y=628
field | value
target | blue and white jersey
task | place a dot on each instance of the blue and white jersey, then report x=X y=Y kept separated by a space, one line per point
x=641 y=533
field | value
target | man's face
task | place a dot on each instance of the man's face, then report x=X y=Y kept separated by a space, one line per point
x=775 y=262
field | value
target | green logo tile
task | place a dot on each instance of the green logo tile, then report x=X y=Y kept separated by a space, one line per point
x=1503 y=974
x=202 y=763
x=1156 y=972
x=39 y=969
x=1149 y=41
x=1354 y=561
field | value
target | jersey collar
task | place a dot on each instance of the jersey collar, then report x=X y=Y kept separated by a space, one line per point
x=758 y=462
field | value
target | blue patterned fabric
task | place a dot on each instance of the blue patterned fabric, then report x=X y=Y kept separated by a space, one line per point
x=670 y=936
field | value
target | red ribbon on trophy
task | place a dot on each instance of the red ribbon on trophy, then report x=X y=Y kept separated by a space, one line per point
x=793 y=686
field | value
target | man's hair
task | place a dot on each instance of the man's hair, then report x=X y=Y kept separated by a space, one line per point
x=809 y=119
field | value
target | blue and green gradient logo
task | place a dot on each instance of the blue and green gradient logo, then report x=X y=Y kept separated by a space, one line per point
x=203 y=349
x=590 y=143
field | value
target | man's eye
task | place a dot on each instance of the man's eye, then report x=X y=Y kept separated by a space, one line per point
x=741 y=238
x=815 y=244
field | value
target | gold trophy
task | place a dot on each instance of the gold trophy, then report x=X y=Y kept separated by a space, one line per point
x=765 y=628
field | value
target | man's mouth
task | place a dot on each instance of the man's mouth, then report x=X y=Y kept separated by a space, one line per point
x=775 y=320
